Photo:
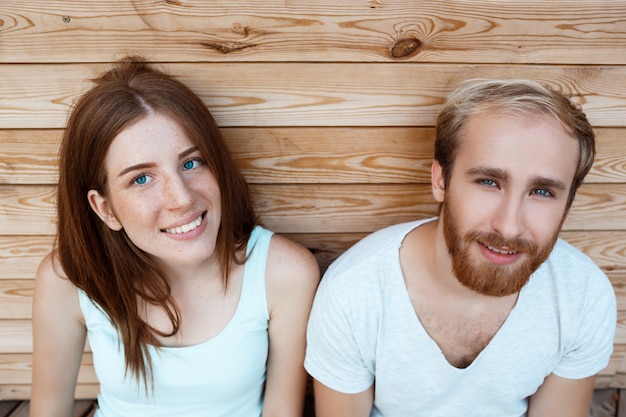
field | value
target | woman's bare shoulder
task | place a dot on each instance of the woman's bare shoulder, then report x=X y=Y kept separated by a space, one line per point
x=50 y=274
x=55 y=295
x=288 y=258
x=292 y=277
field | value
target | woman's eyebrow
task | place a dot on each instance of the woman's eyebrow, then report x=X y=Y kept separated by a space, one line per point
x=187 y=152
x=149 y=164
x=135 y=168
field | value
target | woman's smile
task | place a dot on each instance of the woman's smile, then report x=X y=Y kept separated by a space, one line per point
x=161 y=192
x=186 y=227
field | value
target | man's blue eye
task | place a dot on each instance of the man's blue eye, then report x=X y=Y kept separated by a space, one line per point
x=487 y=182
x=543 y=193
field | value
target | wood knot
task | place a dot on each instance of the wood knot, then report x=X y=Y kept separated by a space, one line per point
x=240 y=29
x=405 y=47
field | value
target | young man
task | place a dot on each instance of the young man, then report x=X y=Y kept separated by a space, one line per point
x=482 y=311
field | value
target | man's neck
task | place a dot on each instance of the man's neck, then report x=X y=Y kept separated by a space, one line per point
x=460 y=320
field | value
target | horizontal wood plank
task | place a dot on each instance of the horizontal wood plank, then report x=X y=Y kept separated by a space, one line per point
x=328 y=108
x=6 y=407
x=16 y=297
x=20 y=255
x=16 y=304
x=20 y=205
x=16 y=374
x=312 y=94
x=266 y=155
x=16 y=294
x=515 y=31
x=324 y=208
x=620 y=335
x=16 y=368
x=29 y=156
x=16 y=336
x=301 y=155
x=599 y=207
x=606 y=377
x=23 y=391
x=606 y=248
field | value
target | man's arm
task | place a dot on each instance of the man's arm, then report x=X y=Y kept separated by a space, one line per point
x=562 y=397
x=331 y=403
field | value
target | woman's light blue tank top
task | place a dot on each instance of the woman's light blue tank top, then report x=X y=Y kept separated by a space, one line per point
x=223 y=376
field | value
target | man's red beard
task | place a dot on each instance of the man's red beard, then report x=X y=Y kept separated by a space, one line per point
x=485 y=277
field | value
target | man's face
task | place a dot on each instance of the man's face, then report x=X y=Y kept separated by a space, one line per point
x=506 y=200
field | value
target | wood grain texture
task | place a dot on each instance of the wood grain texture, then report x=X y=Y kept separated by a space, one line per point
x=29 y=156
x=328 y=108
x=23 y=392
x=616 y=363
x=606 y=248
x=331 y=155
x=324 y=208
x=20 y=255
x=311 y=94
x=16 y=336
x=15 y=368
x=16 y=299
x=483 y=31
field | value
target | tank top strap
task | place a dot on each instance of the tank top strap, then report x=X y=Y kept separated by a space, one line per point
x=254 y=292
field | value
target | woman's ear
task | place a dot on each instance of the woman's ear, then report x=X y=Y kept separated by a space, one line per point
x=103 y=209
x=437 y=181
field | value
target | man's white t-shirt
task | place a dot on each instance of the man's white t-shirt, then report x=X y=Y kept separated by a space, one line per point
x=363 y=330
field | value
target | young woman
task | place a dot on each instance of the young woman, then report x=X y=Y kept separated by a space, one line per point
x=191 y=308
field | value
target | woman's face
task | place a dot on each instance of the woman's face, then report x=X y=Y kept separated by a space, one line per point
x=161 y=193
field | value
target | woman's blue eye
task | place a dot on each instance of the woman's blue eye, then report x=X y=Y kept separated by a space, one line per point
x=191 y=164
x=140 y=180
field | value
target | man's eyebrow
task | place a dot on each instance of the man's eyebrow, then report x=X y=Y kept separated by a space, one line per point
x=546 y=182
x=496 y=173
x=503 y=175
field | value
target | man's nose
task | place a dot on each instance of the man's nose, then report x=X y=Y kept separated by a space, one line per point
x=509 y=219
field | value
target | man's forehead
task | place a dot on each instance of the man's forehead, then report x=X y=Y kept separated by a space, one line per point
x=533 y=143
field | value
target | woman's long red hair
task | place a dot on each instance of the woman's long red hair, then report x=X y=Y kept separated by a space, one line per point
x=104 y=263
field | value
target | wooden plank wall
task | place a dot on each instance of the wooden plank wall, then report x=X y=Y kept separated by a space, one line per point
x=328 y=106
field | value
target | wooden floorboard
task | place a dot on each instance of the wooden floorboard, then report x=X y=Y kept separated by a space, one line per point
x=7 y=407
x=605 y=404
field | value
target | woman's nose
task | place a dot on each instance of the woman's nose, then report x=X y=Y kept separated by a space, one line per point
x=177 y=192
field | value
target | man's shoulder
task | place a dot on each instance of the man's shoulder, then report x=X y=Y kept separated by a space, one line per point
x=572 y=270
x=374 y=250
x=566 y=256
